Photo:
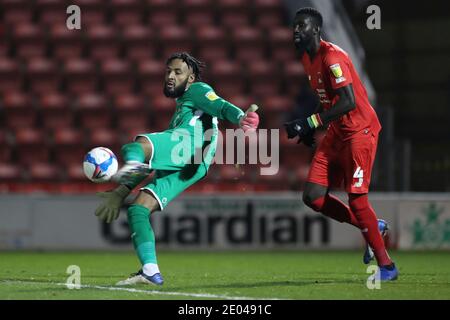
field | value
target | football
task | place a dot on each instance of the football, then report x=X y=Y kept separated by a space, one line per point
x=100 y=164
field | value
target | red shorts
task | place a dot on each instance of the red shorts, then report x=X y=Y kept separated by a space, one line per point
x=349 y=161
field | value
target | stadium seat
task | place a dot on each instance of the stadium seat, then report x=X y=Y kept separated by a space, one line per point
x=175 y=38
x=10 y=76
x=9 y=172
x=66 y=44
x=248 y=44
x=29 y=40
x=164 y=108
x=275 y=109
x=55 y=111
x=44 y=172
x=93 y=111
x=294 y=74
x=127 y=12
x=74 y=172
x=234 y=14
x=18 y=110
x=16 y=12
x=151 y=76
x=131 y=110
x=5 y=146
x=31 y=146
x=264 y=78
x=162 y=13
x=117 y=76
x=80 y=76
x=52 y=12
x=104 y=137
x=43 y=75
x=198 y=13
x=139 y=42
x=93 y=12
x=281 y=46
x=228 y=78
x=68 y=146
x=102 y=42
x=211 y=44
x=269 y=13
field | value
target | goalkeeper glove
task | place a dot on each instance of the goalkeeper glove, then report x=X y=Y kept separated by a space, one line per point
x=112 y=201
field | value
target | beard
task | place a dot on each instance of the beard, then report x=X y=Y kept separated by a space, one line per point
x=177 y=91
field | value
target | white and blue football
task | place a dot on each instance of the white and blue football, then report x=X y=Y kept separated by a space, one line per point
x=100 y=164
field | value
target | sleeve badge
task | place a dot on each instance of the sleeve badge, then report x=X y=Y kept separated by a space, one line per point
x=211 y=95
x=336 y=70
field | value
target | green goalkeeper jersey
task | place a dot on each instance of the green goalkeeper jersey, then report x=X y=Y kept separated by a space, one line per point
x=197 y=111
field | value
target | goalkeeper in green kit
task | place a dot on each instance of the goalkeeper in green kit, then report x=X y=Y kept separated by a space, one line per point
x=180 y=156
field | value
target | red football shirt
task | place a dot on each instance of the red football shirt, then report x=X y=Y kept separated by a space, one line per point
x=330 y=69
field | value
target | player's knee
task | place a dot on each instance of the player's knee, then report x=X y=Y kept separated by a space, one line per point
x=146 y=199
x=315 y=203
x=358 y=202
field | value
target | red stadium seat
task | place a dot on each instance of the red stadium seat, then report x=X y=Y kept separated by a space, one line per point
x=80 y=76
x=198 y=13
x=5 y=147
x=228 y=78
x=10 y=172
x=127 y=12
x=264 y=78
x=67 y=44
x=17 y=12
x=131 y=111
x=162 y=13
x=151 y=76
x=117 y=76
x=93 y=12
x=281 y=45
x=42 y=75
x=74 y=172
x=68 y=146
x=93 y=111
x=234 y=13
x=18 y=110
x=139 y=42
x=10 y=77
x=55 y=111
x=164 y=108
x=211 y=42
x=52 y=11
x=248 y=44
x=103 y=137
x=102 y=42
x=44 y=172
x=29 y=40
x=269 y=13
x=275 y=109
x=175 y=38
x=294 y=76
x=31 y=146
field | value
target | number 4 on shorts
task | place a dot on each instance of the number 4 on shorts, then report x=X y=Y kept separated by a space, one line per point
x=359 y=174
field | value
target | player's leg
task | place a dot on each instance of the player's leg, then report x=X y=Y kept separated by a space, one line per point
x=321 y=176
x=358 y=160
x=143 y=239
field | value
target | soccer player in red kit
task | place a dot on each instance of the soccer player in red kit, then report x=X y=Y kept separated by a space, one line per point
x=348 y=149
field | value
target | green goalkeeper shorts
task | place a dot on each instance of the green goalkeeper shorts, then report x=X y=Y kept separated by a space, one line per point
x=174 y=165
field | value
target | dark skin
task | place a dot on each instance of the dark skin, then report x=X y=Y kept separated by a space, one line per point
x=307 y=33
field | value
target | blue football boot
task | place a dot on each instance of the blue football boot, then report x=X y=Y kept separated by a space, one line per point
x=141 y=277
x=368 y=254
x=387 y=273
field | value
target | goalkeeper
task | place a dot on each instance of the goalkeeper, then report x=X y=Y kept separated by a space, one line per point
x=172 y=154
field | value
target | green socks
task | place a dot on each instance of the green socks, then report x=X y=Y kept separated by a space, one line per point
x=142 y=233
x=133 y=152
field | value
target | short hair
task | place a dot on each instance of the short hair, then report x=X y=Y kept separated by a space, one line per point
x=312 y=12
x=196 y=65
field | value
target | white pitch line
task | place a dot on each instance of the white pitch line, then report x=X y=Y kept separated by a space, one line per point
x=133 y=290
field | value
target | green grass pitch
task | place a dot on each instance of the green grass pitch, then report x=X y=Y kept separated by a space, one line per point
x=223 y=275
